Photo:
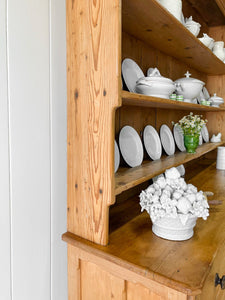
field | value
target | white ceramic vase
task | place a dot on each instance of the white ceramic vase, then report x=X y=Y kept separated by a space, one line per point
x=174 y=7
x=172 y=229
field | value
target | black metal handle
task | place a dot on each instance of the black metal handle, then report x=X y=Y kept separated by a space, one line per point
x=220 y=281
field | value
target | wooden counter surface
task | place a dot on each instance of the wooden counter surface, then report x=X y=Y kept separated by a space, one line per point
x=180 y=265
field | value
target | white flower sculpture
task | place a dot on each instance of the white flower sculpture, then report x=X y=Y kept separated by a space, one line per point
x=171 y=196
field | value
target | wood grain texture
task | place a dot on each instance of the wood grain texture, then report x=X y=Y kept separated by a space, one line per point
x=154 y=25
x=97 y=284
x=93 y=67
x=126 y=178
x=74 y=280
x=147 y=56
x=137 y=291
x=221 y=5
x=185 y=265
x=133 y=99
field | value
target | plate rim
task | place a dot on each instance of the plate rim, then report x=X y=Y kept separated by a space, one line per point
x=180 y=147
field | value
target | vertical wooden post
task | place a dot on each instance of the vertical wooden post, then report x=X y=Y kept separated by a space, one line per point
x=93 y=81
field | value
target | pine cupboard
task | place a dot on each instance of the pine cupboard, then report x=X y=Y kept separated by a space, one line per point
x=112 y=252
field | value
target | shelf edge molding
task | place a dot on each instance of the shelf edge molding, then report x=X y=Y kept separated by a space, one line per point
x=133 y=99
x=127 y=178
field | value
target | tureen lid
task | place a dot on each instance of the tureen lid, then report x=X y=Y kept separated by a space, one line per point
x=188 y=79
x=154 y=76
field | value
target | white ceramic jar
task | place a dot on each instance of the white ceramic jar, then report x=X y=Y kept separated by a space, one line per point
x=218 y=50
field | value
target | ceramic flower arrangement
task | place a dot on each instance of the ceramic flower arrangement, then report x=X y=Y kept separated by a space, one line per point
x=171 y=196
x=191 y=124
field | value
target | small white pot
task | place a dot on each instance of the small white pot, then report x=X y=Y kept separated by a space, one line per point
x=172 y=229
x=218 y=50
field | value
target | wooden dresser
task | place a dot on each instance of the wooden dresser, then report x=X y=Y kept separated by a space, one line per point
x=112 y=252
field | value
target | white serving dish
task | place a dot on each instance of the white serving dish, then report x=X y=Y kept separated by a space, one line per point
x=131 y=146
x=167 y=140
x=116 y=157
x=152 y=142
x=131 y=73
x=189 y=87
x=155 y=85
x=218 y=50
x=174 y=7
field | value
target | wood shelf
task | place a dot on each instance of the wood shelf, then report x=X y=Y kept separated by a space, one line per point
x=133 y=99
x=150 y=22
x=180 y=265
x=126 y=178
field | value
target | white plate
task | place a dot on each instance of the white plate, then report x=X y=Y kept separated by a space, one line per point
x=200 y=139
x=152 y=142
x=131 y=73
x=205 y=93
x=179 y=137
x=205 y=134
x=181 y=170
x=131 y=146
x=116 y=157
x=167 y=140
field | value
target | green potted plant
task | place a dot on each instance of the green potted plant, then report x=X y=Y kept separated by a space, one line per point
x=191 y=126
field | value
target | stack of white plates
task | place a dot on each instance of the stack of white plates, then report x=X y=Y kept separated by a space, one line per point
x=220 y=162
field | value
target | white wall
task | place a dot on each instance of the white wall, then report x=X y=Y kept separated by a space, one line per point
x=33 y=150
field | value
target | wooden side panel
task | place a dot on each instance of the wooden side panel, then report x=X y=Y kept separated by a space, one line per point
x=73 y=274
x=93 y=77
x=98 y=284
x=209 y=290
x=216 y=84
x=137 y=291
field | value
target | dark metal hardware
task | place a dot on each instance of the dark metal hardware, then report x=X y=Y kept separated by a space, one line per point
x=220 y=281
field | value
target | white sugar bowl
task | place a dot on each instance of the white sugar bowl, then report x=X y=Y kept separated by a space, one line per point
x=216 y=101
x=189 y=87
x=192 y=26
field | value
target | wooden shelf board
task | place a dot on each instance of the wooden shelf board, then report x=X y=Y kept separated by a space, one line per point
x=150 y=22
x=180 y=265
x=126 y=178
x=133 y=99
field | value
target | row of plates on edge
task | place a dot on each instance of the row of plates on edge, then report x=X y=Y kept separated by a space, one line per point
x=131 y=147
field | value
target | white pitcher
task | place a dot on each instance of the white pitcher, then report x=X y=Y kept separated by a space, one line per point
x=174 y=7
x=218 y=50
